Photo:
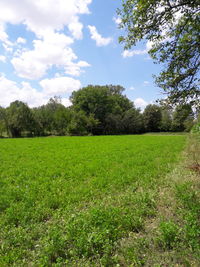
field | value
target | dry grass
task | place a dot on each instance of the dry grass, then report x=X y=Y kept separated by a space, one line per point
x=193 y=152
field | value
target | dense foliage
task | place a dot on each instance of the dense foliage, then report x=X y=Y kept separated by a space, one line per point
x=172 y=28
x=95 y=110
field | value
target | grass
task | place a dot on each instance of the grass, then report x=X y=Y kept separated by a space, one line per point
x=94 y=201
x=172 y=236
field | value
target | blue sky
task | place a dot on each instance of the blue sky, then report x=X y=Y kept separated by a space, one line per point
x=48 y=49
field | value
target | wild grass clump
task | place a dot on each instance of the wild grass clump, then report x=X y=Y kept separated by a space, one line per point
x=169 y=234
x=193 y=151
x=189 y=197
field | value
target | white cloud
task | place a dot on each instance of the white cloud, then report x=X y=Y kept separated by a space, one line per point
x=76 y=29
x=52 y=47
x=44 y=15
x=140 y=103
x=3 y=35
x=2 y=58
x=21 y=40
x=117 y=20
x=7 y=48
x=149 y=45
x=74 y=69
x=66 y=102
x=131 y=53
x=4 y=38
x=50 y=21
x=52 y=50
x=11 y=91
x=100 y=41
x=59 y=85
x=132 y=88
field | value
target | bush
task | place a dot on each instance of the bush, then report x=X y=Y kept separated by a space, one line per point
x=169 y=234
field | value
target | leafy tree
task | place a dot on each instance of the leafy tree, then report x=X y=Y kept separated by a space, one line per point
x=133 y=121
x=50 y=109
x=41 y=116
x=173 y=29
x=61 y=118
x=52 y=118
x=101 y=101
x=20 y=119
x=152 y=118
x=3 y=121
x=183 y=118
x=166 y=120
x=81 y=124
x=113 y=124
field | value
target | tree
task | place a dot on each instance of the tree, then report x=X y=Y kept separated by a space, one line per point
x=20 y=119
x=52 y=118
x=61 y=118
x=173 y=30
x=114 y=124
x=166 y=120
x=133 y=121
x=81 y=124
x=183 y=118
x=152 y=118
x=101 y=102
x=3 y=121
x=50 y=110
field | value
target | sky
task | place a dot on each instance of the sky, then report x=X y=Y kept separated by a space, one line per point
x=51 y=48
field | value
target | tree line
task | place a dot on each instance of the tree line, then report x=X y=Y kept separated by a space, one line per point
x=95 y=110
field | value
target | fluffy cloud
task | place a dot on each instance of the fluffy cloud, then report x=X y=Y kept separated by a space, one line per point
x=75 y=69
x=11 y=91
x=131 y=53
x=49 y=21
x=56 y=25
x=45 y=15
x=127 y=53
x=140 y=103
x=3 y=35
x=117 y=20
x=52 y=50
x=66 y=102
x=59 y=85
x=21 y=40
x=2 y=58
x=76 y=29
x=100 y=41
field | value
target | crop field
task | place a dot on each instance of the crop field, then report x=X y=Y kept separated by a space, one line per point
x=83 y=201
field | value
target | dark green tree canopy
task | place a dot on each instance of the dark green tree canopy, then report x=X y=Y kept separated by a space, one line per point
x=183 y=117
x=152 y=118
x=20 y=118
x=173 y=28
x=100 y=102
x=3 y=121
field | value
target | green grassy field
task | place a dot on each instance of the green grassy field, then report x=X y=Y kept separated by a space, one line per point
x=84 y=201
